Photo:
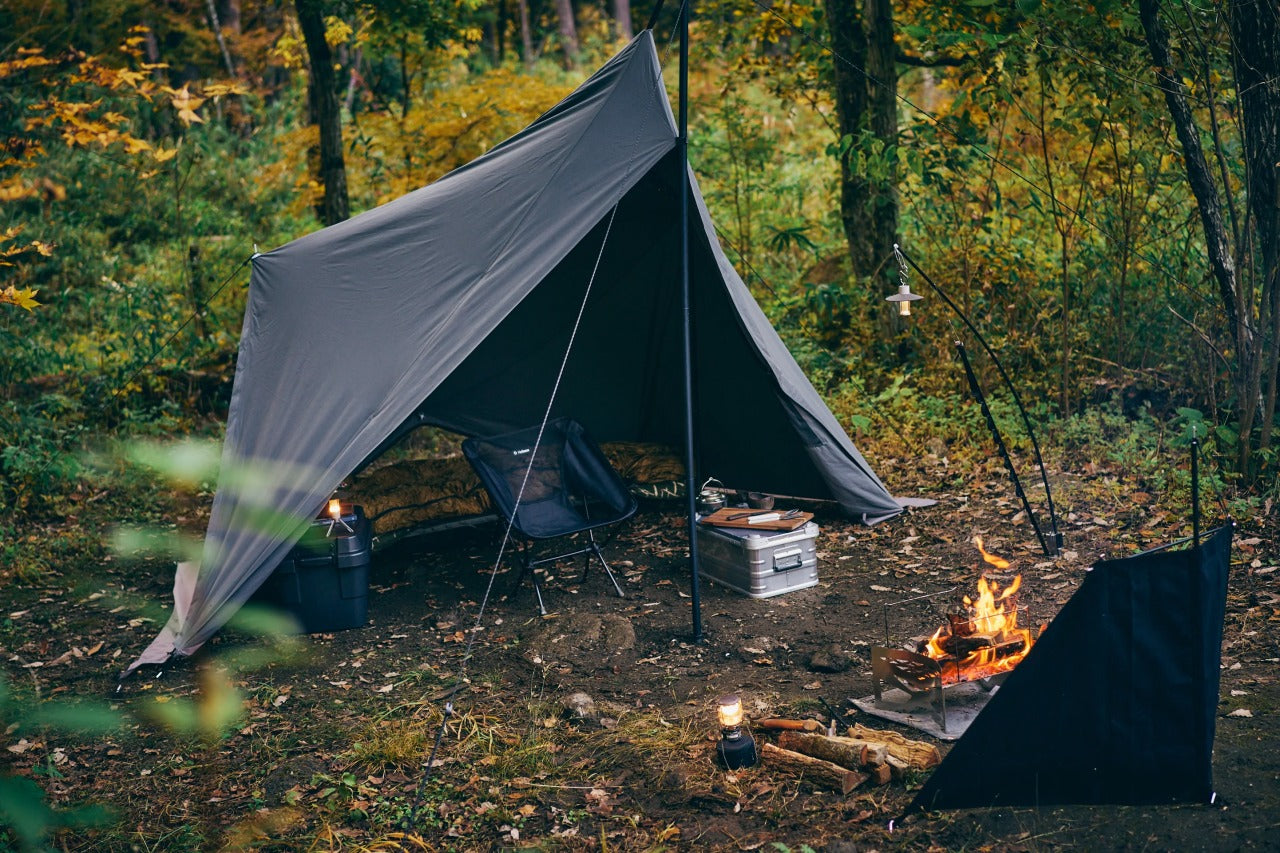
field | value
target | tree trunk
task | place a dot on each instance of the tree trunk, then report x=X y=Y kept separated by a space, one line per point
x=526 y=33
x=500 y=32
x=229 y=15
x=882 y=100
x=1255 y=34
x=335 y=206
x=568 y=32
x=622 y=14
x=1221 y=260
x=866 y=111
x=222 y=42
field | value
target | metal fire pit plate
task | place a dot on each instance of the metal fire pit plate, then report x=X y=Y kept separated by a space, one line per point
x=921 y=711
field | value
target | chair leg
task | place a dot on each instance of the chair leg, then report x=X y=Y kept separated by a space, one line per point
x=595 y=549
x=537 y=591
x=526 y=568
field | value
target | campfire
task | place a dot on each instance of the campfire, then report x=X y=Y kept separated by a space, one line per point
x=984 y=638
x=970 y=653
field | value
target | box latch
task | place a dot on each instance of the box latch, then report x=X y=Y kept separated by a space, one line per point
x=785 y=561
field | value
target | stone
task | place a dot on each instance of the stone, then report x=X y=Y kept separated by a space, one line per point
x=831 y=659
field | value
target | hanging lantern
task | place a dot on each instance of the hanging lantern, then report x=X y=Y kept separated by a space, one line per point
x=736 y=748
x=904 y=297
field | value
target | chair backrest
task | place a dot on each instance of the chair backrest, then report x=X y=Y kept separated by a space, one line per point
x=566 y=465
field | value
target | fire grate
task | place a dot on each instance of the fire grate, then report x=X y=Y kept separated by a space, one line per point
x=909 y=689
x=913 y=689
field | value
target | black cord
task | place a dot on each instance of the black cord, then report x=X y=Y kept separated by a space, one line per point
x=1017 y=400
x=1000 y=445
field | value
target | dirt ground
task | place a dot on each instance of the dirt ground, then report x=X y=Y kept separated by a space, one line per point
x=636 y=772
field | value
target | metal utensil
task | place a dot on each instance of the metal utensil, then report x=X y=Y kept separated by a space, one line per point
x=740 y=515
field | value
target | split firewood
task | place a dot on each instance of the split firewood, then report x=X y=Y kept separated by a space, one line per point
x=789 y=725
x=881 y=774
x=814 y=770
x=897 y=767
x=917 y=755
x=847 y=752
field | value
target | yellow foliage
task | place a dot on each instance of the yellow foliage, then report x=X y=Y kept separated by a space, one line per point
x=455 y=127
x=32 y=59
x=290 y=51
x=22 y=298
x=186 y=104
x=337 y=31
x=16 y=189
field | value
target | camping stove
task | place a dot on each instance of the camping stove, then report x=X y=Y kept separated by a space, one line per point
x=938 y=695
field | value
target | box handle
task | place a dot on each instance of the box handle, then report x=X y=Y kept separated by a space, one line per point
x=784 y=561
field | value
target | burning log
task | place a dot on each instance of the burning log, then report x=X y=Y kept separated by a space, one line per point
x=982 y=640
x=815 y=770
x=961 y=646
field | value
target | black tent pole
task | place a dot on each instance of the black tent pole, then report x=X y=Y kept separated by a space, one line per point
x=653 y=17
x=686 y=294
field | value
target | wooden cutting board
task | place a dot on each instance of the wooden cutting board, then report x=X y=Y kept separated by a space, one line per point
x=720 y=518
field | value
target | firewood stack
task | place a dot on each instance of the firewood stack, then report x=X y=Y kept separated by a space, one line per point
x=844 y=763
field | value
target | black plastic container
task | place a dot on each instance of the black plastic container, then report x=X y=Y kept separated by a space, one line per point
x=324 y=581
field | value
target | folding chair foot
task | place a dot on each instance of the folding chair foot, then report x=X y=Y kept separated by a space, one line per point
x=608 y=571
x=537 y=591
x=526 y=569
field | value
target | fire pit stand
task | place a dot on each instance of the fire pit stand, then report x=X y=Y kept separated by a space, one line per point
x=917 y=691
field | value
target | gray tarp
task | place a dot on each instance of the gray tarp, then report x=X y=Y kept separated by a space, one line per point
x=455 y=304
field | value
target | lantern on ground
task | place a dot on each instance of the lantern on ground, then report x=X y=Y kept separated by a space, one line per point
x=736 y=748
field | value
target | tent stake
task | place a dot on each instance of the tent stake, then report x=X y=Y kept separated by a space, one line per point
x=686 y=296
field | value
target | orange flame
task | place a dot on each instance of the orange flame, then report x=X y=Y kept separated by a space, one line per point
x=987 y=639
x=992 y=559
x=335 y=508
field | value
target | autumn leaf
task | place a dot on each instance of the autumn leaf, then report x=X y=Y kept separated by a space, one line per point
x=186 y=104
x=22 y=298
x=215 y=90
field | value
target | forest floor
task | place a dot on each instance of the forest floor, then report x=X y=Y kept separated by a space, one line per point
x=325 y=743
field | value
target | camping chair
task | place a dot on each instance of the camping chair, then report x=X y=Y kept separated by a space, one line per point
x=570 y=488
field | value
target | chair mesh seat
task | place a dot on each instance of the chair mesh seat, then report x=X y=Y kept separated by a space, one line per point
x=555 y=485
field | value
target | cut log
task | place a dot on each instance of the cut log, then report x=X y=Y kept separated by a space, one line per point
x=790 y=725
x=847 y=752
x=881 y=774
x=812 y=769
x=918 y=755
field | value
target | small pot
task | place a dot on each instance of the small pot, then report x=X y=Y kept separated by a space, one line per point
x=709 y=501
x=759 y=500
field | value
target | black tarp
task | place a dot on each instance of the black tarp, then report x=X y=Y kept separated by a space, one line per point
x=1116 y=701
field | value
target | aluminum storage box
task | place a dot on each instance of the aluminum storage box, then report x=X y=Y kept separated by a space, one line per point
x=759 y=563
